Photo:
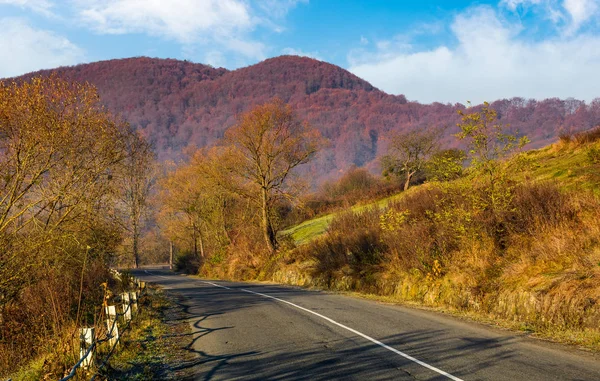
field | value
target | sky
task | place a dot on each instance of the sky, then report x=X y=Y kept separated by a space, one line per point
x=430 y=51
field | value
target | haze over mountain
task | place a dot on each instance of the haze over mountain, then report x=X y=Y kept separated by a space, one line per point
x=179 y=103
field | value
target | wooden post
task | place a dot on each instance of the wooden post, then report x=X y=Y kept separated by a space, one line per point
x=86 y=339
x=126 y=309
x=111 y=325
x=133 y=301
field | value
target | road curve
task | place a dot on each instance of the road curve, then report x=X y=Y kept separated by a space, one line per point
x=247 y=331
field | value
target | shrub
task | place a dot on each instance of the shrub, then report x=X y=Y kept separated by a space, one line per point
x=187 y=262
x=353 y=242
x=588 y=136
x=593 y=155
x=540 y=206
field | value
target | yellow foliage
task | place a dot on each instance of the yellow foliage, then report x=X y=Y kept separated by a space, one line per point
x=392 y=220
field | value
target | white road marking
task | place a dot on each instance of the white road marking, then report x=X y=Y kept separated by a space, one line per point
x=216 y=285
x=149 y=273
x=165 y=287
x=375 y=341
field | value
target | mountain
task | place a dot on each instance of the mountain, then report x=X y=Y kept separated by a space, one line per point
x=179 y=103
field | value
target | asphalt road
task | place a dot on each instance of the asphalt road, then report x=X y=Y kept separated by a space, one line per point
x=247 y=331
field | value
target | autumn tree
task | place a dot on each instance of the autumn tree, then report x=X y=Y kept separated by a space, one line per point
x=264 y=147
x=59 y=153
x=489 y=145
x=446 y=164
x=136 y=179
x=58 y=148
x=489 y=142
x=409 y=153
x=192 y=205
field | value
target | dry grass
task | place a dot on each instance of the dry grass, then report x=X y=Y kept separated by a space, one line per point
x=436 y=247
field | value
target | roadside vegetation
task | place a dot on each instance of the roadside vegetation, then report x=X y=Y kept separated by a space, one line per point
x=494 y=231
x=520 y=244
x=156 y=346
x=65 y=165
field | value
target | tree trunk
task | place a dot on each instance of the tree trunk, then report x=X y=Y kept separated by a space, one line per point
x=266 y=223
x=201 y=245
x=408 y=177
x=171 y=255
x=195 y=238
x=135 y=225
x=136 y=254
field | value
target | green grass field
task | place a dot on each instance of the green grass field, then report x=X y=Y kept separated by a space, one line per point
x=566 y=164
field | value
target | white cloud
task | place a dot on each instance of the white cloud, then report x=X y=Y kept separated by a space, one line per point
x=580 y=11
x=514 y=4
x=489 y=62
x=569 y=15
x=182 y=20
x=201 y=28
x=278 y=8
x=40 y=6
x=223 y=22
x=33 y=49
x=298 y=52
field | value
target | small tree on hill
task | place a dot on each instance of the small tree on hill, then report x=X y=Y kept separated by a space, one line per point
x=446 y=165
x=489 y=145
x=409 y=153
x=488 y=142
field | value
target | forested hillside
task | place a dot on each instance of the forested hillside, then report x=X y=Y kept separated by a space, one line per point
x=179 y=103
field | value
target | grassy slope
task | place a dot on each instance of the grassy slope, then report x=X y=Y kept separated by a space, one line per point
x=568 y=165
x=564 y=163
x=534 y=280
x=307 y=230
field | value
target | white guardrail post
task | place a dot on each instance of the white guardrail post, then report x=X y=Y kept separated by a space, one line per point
x=112 y=326
x=126 y=308
x=133 y=301
x=86 y=340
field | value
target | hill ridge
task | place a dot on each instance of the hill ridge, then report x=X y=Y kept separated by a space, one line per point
x=179 y=103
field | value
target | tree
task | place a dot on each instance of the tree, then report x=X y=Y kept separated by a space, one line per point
x=409 y=152
x=195 y=209
x=446 y=165
x=264 y=147
x=137 y=180
x=489 y=146
x=488 y=142
x=60 y=151
x=58 y=148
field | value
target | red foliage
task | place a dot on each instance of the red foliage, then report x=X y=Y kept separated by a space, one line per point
x=179 y=103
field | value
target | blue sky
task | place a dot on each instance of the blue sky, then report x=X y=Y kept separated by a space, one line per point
x=447 y=51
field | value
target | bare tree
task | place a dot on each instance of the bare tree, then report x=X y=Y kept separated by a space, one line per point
x=137 y=179
x=264 y=147
x=409 y=152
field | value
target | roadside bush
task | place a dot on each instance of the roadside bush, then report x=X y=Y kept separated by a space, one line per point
x=437 y=246
x=355 y=186
x=352 y=246
x=187 y=262
x=540 y=206
x=46 y=314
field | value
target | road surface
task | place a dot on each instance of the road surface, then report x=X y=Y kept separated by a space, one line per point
x=247 y=331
